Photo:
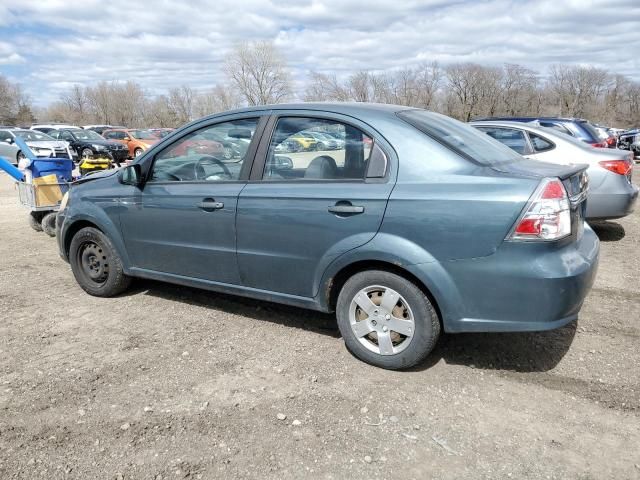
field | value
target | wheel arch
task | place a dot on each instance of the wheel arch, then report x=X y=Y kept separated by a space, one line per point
x=334 y=284
x=107 y=228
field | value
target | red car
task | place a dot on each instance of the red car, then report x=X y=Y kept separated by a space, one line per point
x=197 y=145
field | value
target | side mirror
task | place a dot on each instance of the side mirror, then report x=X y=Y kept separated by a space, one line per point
x=127 y=139
x=131 y=175
x=9 y=141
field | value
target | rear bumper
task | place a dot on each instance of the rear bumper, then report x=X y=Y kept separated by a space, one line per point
x=610 y=203
x=522 y=287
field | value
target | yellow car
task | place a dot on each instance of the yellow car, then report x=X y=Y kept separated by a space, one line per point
x=305 y=142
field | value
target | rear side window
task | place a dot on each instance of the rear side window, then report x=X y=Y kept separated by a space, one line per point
x=460 y=137
x=540 y=144
x=558 y=127
x=317 y=149
x=512 y=138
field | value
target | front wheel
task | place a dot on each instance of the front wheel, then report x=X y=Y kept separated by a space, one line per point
x=137 y=152
x=96 y=265
x=386 y=320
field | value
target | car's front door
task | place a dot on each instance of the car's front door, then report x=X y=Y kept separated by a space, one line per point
x=303 y=209
x=182 y=221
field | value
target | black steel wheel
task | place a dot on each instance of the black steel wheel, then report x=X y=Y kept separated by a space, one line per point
x=96 y=264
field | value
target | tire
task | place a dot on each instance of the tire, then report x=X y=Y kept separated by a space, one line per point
x=48 y=223
x=86 y=153
x=35 y=221
x=137 y=152
x=399 y=351
x=227 y=153
x=19 y=156
x=96 y=265
x=321 y=146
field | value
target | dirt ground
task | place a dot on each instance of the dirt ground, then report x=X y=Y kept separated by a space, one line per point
x=169 y=382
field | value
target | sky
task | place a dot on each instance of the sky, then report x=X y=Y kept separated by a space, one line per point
x=49 y=45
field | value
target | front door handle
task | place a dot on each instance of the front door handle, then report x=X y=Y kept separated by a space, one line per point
x=346 y=209
x=209 y=205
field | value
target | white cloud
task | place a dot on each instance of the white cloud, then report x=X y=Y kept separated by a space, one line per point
x=165 y=44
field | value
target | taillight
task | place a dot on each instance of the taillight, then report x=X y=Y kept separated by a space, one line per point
x=548 y=215
x=621 y=167
x=611 y=141
x=599 y=144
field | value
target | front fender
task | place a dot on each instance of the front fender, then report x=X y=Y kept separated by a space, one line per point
x=96 y=214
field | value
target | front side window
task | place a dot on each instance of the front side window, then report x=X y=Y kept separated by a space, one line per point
x=317 y=149
x=512 y=138
x=212 y=154
x=5 y=136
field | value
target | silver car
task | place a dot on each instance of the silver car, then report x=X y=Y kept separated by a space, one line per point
x=611 y=193
x=8 y=149
x=41 y=144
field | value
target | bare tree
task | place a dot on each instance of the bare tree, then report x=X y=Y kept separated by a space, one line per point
x=577 y=87
x=181 y=100
x=13 y=102
x=259 y=72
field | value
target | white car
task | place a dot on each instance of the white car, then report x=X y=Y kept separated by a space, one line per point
x=47 y=127
x=41 y=144
x=611 y=191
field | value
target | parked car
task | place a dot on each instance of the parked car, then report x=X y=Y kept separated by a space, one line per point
x=605 y=136
x=160 y=132
x=324 y=141
x=9 y=150
x=88 y=144
x=435 y=226
x=99 y=129
x=576 y=127
x=611 y=192
x=630 y=140
x=41 y=144
x=201 y=144
x=137 y=141
x=48 y=127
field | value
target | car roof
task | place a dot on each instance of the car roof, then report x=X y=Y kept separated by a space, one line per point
x=515 y=119
x=347 y=108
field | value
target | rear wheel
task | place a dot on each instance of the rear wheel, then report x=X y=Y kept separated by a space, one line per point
x=86 y=153
x=386 y=320
x=49 y=224
x=96 y=265
x=137 y=152
x=19 y=156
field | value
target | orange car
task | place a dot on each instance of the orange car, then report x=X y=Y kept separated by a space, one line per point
x=137 y=140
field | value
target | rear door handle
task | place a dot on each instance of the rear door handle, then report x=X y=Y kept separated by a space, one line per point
x=209 y=205
x=346 y=209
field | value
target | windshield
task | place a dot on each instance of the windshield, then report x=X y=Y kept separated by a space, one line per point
x=86 y=135
x=142 y=135
x=33 y=136
x=460 y=137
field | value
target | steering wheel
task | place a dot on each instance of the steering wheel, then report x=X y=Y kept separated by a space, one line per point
x=199 y=172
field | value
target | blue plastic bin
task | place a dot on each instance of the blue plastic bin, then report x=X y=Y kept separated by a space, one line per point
x=61 y=167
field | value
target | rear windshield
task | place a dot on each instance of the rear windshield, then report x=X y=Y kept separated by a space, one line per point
x=591 y=130
x=460 y=137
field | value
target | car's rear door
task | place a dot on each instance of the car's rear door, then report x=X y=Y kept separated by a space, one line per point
x=182 y=222
x=302 y=209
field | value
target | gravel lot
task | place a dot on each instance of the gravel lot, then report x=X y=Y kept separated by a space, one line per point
x=171 y=382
